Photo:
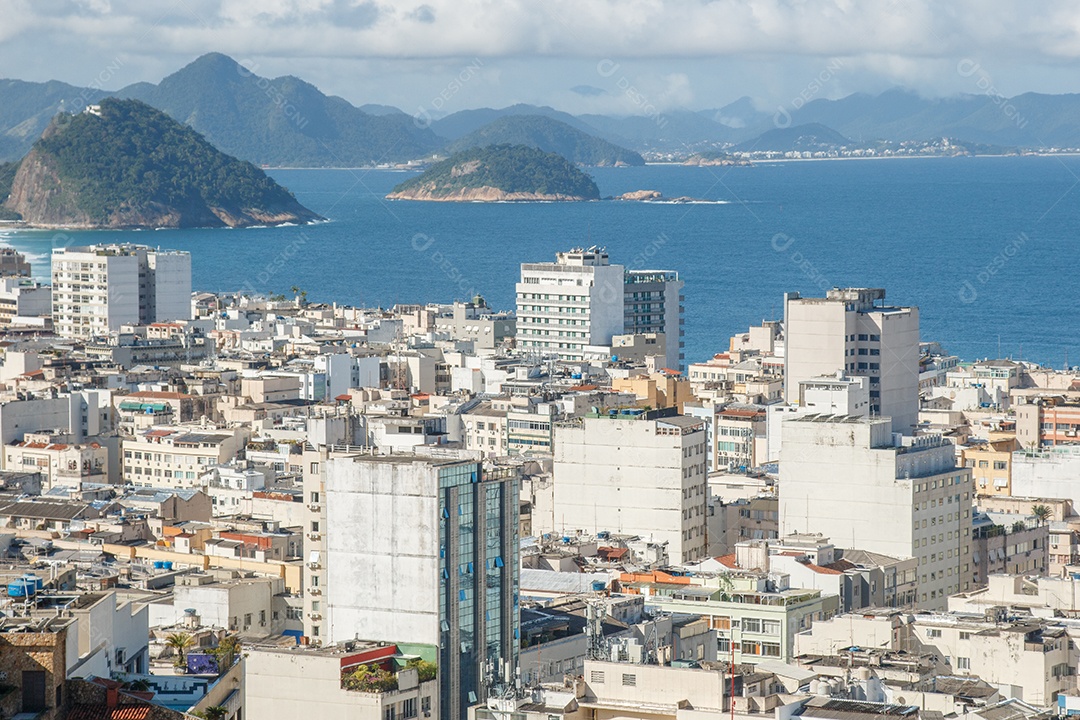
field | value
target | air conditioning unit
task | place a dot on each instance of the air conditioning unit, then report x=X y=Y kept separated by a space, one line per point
x=315 y=591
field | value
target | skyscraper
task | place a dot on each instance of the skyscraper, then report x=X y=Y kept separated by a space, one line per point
x=852 y=331
x=424 y=550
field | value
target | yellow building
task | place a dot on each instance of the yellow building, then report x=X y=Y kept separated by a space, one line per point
x=991 y=465
x=659 y=390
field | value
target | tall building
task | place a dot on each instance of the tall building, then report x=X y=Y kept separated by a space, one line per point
x=653 y=304
x=98 y=288
x=581 y=300
x=846 y=478
x=636 y=474
x=425 y=550
x=852 y=331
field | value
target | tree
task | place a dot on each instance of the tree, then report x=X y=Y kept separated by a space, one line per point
x=216 y=712
x=1042 y=513
x=425 y=670
x=180 y=642
x=1019 y=526
x=226 y=652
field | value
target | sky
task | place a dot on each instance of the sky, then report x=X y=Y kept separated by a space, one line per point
x=620 y=57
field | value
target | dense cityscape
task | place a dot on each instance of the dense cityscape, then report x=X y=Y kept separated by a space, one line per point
x=228 y=505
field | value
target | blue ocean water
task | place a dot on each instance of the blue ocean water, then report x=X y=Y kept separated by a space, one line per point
x=986 y=247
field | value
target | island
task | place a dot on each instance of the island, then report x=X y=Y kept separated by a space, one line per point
x=125 y=165
x=499 y=173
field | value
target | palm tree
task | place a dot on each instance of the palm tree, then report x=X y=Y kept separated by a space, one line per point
x=181 y=642
x=216 y=712
x=1042 y=513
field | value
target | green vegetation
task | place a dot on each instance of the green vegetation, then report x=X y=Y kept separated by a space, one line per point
x=133 y=155
x=550 y=135
x=226 y=652
x=1042 y=513
x=425 y=670
x=180 y=642
x=366 y=678
x=509 y=168
x=7 y=176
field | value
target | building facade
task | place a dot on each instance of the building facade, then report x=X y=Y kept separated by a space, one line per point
x=851 y=331
x=634 y=474
x=424 y=550
x=98 y=288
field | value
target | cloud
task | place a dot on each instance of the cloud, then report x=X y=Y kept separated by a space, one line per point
x=588 y=90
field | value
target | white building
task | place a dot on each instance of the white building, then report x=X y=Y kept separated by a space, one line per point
x=847 y=332
x=633 y=475
x=569 y=304
x=98 y=288
x=845 y=478
x=581 y=301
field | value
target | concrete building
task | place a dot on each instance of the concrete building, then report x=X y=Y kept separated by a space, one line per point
x=22 y=298
x=581 y=300
x=178 y=457
x=653 y=305
x=642 y=474
x=1047 y=421
x=477 y=322
x=567 y=305
x=98 y=288
x=273 y=689
x=424 y=550
x=61 y=464
x=846 y=478
x=851 y=331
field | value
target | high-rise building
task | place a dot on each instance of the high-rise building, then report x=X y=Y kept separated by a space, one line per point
x=98 y=288
x=581 y=300
x=653 y=302
x=425 y=550
x=853 y=480
x=852 y=331
x=640 y=474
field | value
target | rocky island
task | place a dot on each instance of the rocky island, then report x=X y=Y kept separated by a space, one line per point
x=124 y=165
x=499 y=173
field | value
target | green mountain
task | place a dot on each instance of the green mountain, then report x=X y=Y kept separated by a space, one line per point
x=125 y=165
x=27 y=107
x=499 y=173
x=812 y=136
x=550 y=135
x=281 y=121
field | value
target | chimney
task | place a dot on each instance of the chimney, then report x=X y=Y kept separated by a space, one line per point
x=112 y=697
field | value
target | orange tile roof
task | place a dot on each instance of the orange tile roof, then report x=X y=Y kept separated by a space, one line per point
x=103 y=712
x=727 y=560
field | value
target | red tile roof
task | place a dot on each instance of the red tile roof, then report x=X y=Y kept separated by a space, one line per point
x=103 y=712
x=728 y=560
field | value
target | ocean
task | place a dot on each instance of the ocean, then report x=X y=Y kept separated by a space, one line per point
x=985 y=246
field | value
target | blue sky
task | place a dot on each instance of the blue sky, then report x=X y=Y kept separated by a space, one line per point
x=619 y=57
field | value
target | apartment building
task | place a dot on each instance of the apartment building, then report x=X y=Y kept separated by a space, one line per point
x=851 y=479
x=22 y=298
x=756 y=616
x=565 y=306
x=425 y=550
x=178 y=456
x=991 y=465
x=852 y=331
x=634 y=473
x=61 y=464
x=653 y=305
x=1047 y=421
x=98 y=288
x=581 y=301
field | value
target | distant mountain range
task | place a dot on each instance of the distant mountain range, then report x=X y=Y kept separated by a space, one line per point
x=550 y=135
x=288 y=122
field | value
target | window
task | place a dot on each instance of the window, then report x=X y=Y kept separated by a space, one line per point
x=933 y=633
x=963 y=663
x=751 y=625
x=408 y=708
x=770 y=627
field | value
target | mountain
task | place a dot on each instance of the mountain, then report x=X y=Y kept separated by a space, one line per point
x=458 y=125
x=812 y=136
x=124 y=164
x=499 y=173
x=674 y=131
x=550 y=135
x=740 y=114
x=281 y=121
x=26 y=109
